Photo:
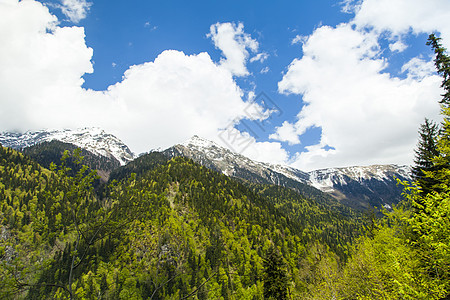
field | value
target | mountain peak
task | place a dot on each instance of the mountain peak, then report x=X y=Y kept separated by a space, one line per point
x=93 y=139
x=199 y=142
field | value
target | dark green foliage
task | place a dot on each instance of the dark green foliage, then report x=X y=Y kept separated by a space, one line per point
x=442 y=63
x=315 y=221
x=52 y=152
x=177 y=228
x=139 y=166
x=275 y=278
x=425 y=153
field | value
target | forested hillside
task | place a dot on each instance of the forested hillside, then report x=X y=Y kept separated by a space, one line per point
x=175 y=230
x=51 y=152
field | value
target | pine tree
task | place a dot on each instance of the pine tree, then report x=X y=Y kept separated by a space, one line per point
x=425 y=153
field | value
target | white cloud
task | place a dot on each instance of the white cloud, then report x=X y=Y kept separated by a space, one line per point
x=156 y=104
x=299 y=39
x=41 y=65
x=287 y=132
x=350 y=6
x=365 y=114
x=233 y=42
x=75 y=10
x=418 y=69
x=245 y=144
x=265 y=70
x=398 y=46
x=400 y=16
x=173 y=98
x=261 y=57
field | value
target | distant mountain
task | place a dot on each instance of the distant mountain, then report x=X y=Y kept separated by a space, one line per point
x=362 y=187
x=92 y=139
x=213 y=156
x=356 y=187
x=47 y=152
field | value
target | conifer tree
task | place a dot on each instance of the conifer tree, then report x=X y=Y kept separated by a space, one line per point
x=430 y=224
x=442 y=161
x=442 y=63
x=425 y=153
x=275 y=278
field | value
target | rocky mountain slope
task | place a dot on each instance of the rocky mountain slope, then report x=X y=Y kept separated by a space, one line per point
x=362 y=187
x=358 y=187
x=92 y=139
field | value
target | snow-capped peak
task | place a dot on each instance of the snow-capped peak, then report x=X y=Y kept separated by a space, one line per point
x=325 y=179
x=199 y=142
x=93 y=139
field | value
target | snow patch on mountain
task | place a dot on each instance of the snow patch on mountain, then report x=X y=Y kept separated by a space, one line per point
x=227 y=161
x=92 y=139
x=327 y=179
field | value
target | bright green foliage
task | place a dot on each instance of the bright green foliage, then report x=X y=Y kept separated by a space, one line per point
x=405 y=255
x=178 y=230
x=411 y=251
x=430 y=230
x=384 y=266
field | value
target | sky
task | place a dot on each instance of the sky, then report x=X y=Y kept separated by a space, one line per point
x=310 y=84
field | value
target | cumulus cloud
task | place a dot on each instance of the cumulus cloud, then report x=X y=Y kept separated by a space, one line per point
x=41 y=63
x=367 y=116
x=287 y=132
x=398 y=46
x=173 y=98
x=234 y=43
x=401 y=16
x=75 y=10
x=245 y=144
x=156 y=104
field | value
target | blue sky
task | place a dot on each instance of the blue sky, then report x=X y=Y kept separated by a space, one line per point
x=311 y=84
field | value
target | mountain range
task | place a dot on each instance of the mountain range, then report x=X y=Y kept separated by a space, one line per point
x=358 y=187
x=92 y=139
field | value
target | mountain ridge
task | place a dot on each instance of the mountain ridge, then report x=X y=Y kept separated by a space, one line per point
x=93 y=139
x=359 y=187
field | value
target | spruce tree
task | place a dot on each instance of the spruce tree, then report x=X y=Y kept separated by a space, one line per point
x=429 y=223
x=425 y=153
x=275 y=278
x=442 y=63
x=442 y=161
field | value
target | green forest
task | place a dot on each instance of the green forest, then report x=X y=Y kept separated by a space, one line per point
x=172 y=229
